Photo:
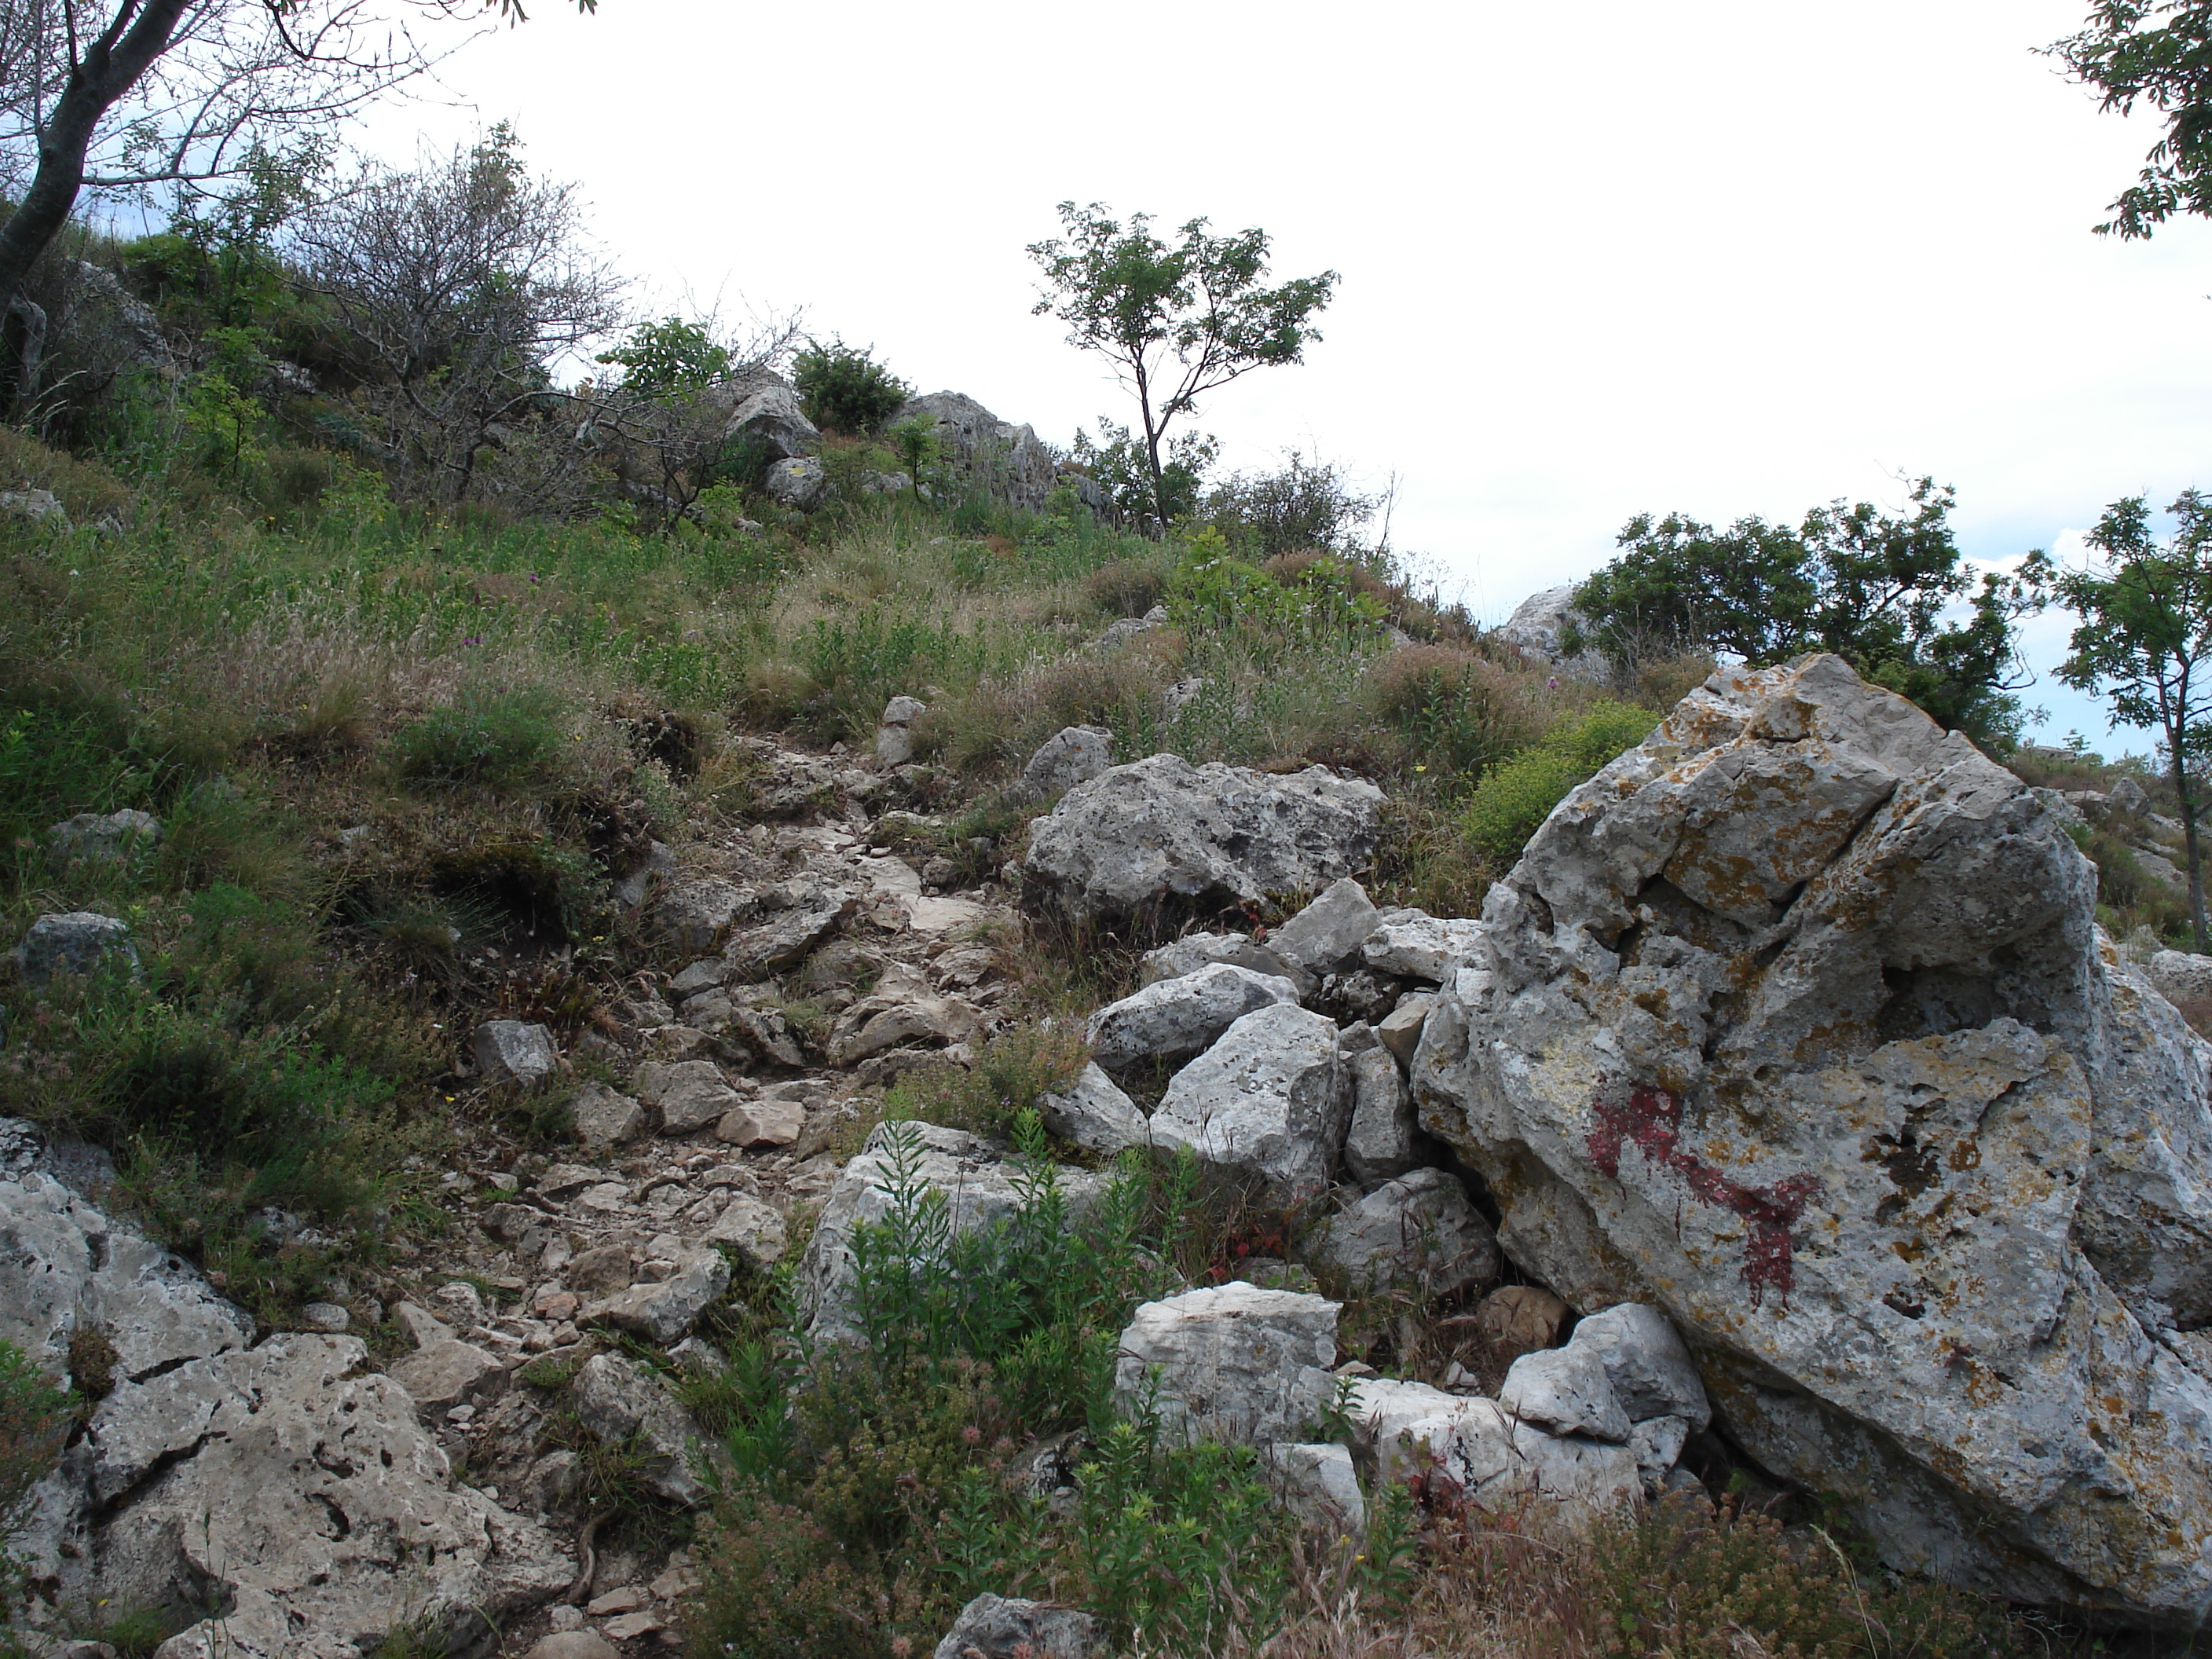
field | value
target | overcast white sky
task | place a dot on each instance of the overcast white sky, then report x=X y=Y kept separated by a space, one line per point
x=1721 y=256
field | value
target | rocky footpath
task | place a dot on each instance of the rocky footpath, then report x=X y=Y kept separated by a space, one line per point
x=1794 y=1023
x=1789 y=1056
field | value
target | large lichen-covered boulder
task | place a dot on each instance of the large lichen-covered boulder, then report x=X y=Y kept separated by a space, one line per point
x=285 y=1482
x=1160 y=828
x=1794 y=1021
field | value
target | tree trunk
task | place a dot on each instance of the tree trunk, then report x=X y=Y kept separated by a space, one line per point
x=111 y=66
x=1153 y=458
x=2203 y=937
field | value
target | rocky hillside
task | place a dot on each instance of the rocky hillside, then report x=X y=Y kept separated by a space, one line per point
x=903 y=1066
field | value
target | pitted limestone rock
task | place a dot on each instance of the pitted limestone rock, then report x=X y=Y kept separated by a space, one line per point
x=1160 y=828
x=1794 y=1023
x=1273 y=1097
x=1232 y=1363
x=1174 y=1019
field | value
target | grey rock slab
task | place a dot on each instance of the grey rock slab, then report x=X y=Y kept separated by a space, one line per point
x=616 y=1399
x=1657 y=1443
x=1318 y=1484
x=2179 y=974
x=343 y=1482
x=666 y=1310
x=1328 y=932
x=604 y=1116
x=1231 y=1362
x=573 y=1645
x=75 y=944
x=1474 y=1447
x=1380 y=1143
x=974 y=1174
x=1160 y=828
x=764 y=1122
x=1794 y=1023
x=1646 y=1361
x=511 y=1051
x=692 y=913
x=1174 y=1019
x=1401 y=1029
x=1272 y=1096
x=64 y=1266
x=1410 y=945
x=1000 y=1627
x=1072 y=754
x=786 y=940
x=105 y=838
x=751 y=1228
x=1419 y=1232
x=772 y=416
x=1565 y=1390
x=977 y=450
x=442 y=1374
x=799 y=481
x=688 y=1094
x=703 y=975
x=1092 y=1113
x=1194 y=951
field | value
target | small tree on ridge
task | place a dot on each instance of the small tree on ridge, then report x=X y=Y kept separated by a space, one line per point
x=1176 y=320
x=2145 y=640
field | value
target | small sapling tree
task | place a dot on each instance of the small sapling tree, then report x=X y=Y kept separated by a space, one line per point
x=2145 y=640
x=1176 y=320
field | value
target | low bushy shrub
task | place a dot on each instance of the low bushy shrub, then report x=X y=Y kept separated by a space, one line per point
x=1010 y=1074
x=844 y=388
x=1705 y=1583
x=499 y=737
x=1513 y=798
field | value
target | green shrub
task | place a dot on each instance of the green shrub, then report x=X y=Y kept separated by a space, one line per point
x=1702 y=1584
x=502 y=739
x=1514 y=798
x=881 y=1486
x=843 y=387
x=1007 y=1079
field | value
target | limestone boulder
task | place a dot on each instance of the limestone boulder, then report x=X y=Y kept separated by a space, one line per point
x=145 y=1507
x=514 y=1051
x=1329 y=932
x=981 y=452
x=974 y=1173
x=73 y=944
x=1174 y=1019
x=1004 y=1627
x=772 y=418
x=665 y=1310
x=2180 y=975
x=1092 y=1113
x=1475 y=1451
x=1160 y=828
x=1380 y=1144
x=1194 y=951
x=1795 y=1024
x=104 y=838
x=1413 y=944
x=799 y=482
x=1419 y=1232
x=1072 y=754
x=1232 y=1363
x=1271 y=1098
x=618 y=1401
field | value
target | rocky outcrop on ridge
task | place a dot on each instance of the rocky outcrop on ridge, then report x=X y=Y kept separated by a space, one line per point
x=1794 y=1023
